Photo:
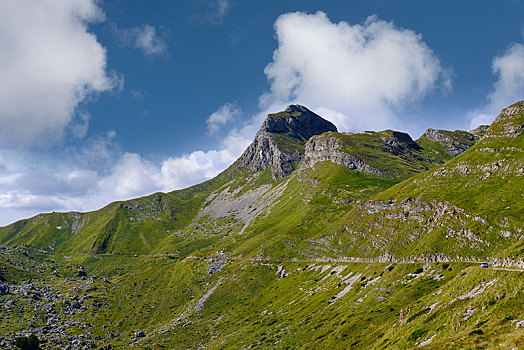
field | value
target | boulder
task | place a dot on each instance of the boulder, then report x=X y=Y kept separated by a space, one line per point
x=4 y=288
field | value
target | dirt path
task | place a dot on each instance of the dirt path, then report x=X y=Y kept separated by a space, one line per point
x=506 y=269
x=325 y=261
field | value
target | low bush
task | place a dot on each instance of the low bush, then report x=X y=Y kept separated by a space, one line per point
x=27 y=343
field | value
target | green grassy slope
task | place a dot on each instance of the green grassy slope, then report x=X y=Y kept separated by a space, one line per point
x=390 y=152
x=309 y=218
x=138 y=226
x=470 y=207
x=190 y=278
x=168 y=223
x=486 y=182
x=271 y=304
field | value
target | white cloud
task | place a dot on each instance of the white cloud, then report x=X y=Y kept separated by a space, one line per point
x=80 y=126
x=222 y=8
x=364 y=72
x=221 y=117
x=342 y=121
x=98 y=173
x=507 y=89
x=145 y=38
x=215 y=13
x=338 y=70
x=49 y=63
x=149 y=41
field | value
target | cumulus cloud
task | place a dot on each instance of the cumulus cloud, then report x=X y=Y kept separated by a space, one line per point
x=145 y=38
x=221 y=117
x=362 y=71
x=507 y=89
x=354 y=75
x=49 y=63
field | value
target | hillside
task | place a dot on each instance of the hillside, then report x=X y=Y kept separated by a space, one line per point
x=311 y=239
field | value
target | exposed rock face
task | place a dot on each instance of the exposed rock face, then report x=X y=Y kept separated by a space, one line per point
x=509 y=123
x=320 y=149
x=264 y=153
x=279 y=143
x=400 y=142
x=297 y=122
x=454 y=142
x=479 y=131
x=331 y=147
x=4 y=288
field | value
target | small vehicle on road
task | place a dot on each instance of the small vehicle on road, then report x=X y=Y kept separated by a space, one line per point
x=484 y=265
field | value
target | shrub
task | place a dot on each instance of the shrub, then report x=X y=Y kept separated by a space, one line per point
x=417 y=334
x=445 y=266
x=418 y=270
x=27 y=343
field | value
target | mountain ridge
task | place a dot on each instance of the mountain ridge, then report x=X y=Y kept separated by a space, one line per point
x=295 y=135
x=361 y=240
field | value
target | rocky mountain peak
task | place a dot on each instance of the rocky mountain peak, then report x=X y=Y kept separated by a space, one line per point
x=297 y=122
x=399 y=140
x=279 y=144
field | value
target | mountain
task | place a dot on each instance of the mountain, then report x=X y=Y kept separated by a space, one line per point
x=279 y=144
x=311 y=239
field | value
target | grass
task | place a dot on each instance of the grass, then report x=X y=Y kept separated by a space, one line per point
x=148 y=259
x=254 y=306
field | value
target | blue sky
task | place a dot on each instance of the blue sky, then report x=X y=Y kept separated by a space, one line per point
x=107 y=100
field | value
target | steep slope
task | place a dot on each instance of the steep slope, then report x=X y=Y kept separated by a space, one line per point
x=470 y=207
x=334 y=168
x=164 y=222
x=338 y=172
x=138 y=226
x=444 y=145
x=340 y=203
x=386 y=153
x=252 y=259
x=486 y=183
x=479 y=131
x=279 y=144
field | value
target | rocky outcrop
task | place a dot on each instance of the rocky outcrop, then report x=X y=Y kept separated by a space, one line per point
x=330 y=148
x=454 y=143
x=279 y=143
x=399 y=142
x=264 y=153
x=348 y=149
x=297 y=122
x=4 y=288
x=479 y=131
x=509 y=123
